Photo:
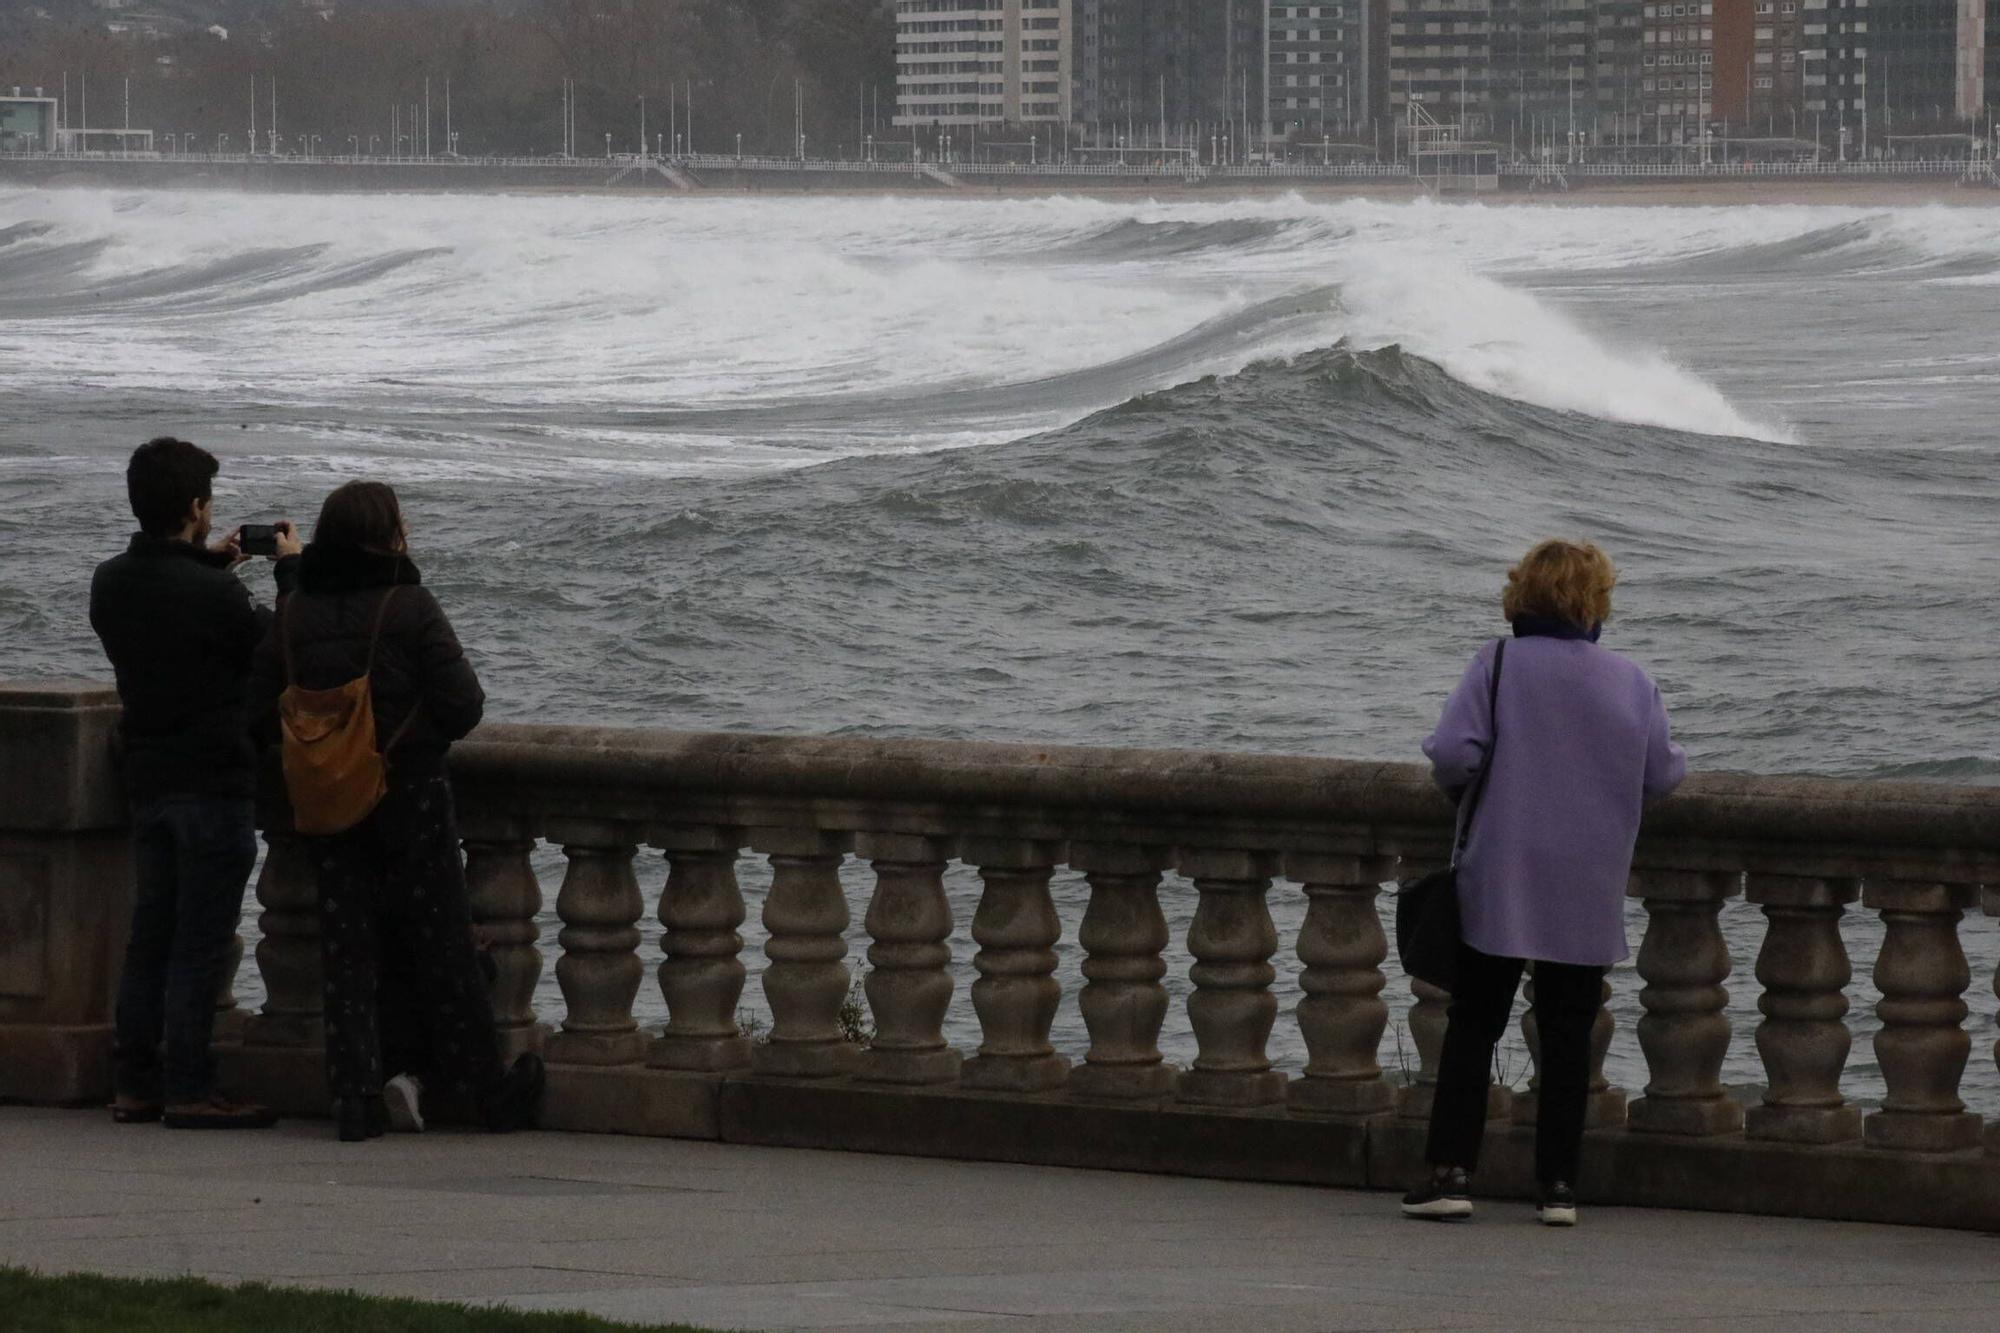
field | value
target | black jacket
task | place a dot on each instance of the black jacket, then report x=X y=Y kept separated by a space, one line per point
x=180 y=631
x=420 y=676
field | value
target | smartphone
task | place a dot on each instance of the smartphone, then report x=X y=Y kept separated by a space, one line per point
x=258 y=539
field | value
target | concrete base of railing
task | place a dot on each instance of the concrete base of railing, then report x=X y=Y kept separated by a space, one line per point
x=1620 y=1166
x=65 y=891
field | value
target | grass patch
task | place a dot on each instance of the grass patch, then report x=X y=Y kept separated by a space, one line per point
x=85 y=1303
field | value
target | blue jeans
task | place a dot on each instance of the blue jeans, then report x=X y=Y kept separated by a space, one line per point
x=191 y=856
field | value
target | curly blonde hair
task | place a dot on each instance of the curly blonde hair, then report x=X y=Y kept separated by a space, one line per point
x=1568 y=580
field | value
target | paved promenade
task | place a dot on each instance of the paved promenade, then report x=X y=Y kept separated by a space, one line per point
x=736 y=1237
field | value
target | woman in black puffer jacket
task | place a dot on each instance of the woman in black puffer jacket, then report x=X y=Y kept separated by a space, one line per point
x=394 y=916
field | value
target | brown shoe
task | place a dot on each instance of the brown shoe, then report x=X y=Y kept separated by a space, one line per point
x=132 y=1111
x=218 y=1112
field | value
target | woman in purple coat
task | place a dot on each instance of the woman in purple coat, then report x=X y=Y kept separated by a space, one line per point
x=1583 y=743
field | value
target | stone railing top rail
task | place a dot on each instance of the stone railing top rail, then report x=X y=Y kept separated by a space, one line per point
x=1801 y=824
x=1717 y=821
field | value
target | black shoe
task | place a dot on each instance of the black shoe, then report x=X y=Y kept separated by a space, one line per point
x=1446 y=1196
x=359 y=1118
x=1556 y=1205
x=135 y=1111
x=515 y=1102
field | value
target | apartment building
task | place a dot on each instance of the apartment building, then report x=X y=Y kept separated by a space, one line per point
x=1519 y=71
x=1677 y=67
x=1543 y=69
x=1901 y=66
x=1775 y=73
x=1441 y=55
x=1182 y=66
x=1619 y=95
x=983 y=62
x=1319 y=69
x=1534 y=72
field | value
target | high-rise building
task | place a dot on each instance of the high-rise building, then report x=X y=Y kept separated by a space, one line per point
x=1319 y=70
x=1679 y=67
x=1774 y=97
x=1520 y=71
x=1539 y=73
x=1441 y=56
x=1990 y=94
x=982 y=62
x=1185 y=66
x=1834 y=42
x=1898 y=67
x=1618 y=45
x=1543 y=70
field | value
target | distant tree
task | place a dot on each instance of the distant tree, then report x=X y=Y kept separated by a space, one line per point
x=362 y=70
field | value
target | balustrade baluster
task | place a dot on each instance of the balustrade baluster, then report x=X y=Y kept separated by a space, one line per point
x=1685 y=1036
x=1342 y=1016
x=1605 y=1105
x=1430 y=1009
x=806 y=978
x=1923 y=1045
x=229 y=1015
x=599 y=970
x=1989 y=896
x=288 y=953
x=1804 y=1043
x=505 y=898
x=701 y=975
x=908 y=986
x=1123 y=935
x=1016 y=994
x=1232 y=1007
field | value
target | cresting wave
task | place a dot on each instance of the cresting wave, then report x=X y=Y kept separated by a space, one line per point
x=883 y=319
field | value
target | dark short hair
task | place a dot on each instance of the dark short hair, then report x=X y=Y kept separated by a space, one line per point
x=361 y=514
x=165 y=477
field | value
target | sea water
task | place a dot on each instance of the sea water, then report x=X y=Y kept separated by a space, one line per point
x=1236 y=474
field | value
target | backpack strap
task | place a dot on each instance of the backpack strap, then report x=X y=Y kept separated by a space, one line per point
x=285 y=639
x=375 y=635
x=375 y=638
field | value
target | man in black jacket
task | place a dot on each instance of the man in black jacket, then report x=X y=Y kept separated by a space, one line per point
x=180 y=629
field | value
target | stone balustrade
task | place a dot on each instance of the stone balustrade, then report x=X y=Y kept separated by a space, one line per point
x=685 y=812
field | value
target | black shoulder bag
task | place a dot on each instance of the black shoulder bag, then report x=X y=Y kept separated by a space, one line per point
x=1427 y=928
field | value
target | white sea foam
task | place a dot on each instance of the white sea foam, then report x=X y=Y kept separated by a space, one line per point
x=518 y=309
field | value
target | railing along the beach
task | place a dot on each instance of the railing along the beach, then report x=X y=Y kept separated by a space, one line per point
x=683 y=811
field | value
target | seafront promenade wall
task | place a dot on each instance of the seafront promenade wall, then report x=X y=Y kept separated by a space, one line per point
x=635 y=174
x=625 y=804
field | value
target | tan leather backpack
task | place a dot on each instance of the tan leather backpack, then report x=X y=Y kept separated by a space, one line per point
x=334 y=773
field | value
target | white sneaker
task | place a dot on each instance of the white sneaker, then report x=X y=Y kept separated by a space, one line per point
x=404 y=1096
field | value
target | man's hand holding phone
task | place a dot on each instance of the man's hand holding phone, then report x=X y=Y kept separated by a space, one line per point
x=274 y=541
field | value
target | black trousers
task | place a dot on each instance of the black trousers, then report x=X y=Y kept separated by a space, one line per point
x=404 y=991
x=190 y=858
x=1567 y=998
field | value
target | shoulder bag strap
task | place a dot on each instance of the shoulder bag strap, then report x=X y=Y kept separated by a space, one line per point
x=1473 y=797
